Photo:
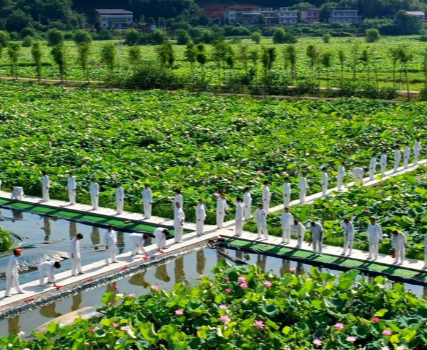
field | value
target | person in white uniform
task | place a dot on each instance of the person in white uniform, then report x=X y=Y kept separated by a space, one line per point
x=161 y=235
x=303 y=187
x=147 y=200
x=397 y=158
x=239 y=217
x=47 y=268
x=287 y=190
x=425 y=251
x=45 y=186
x=247 y=201
x=298 y=230
x=94 y=194
x=76 y=258
x=406 y=156
x=178 y=222
x=266 y=196
x=261 y=219
x=120 y=198
x=221 y=208
x=72 y=188
x=12 y=273
x=375 y=236
x=178 y=198
x=287 y=220
x=417 y=150
x=138 y=240
x=16 y=193
x=325 y=182
x=348 y=229
x=372 y=167
x=340 y=176
x=358 y=174
x=110 y=242
x=383 y=162
x=316 y=237
x=200 y=217
x=398 y=244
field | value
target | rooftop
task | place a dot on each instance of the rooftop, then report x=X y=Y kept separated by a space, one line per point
x=415 y=13
x=114 y=11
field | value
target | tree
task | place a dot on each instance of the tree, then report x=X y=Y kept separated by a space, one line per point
x=37 y=54
x=166 y=55
x=4 y=38
x=256 y=37
x=54 y=37
x=327 y=63
x=313 y=55
x=202 y=58
x=27 y=41
x=83 y=52
x=394 y=55
x=13 y=50
x=17 y=21
x=132 y=37
x=104 y=34
x=366 y=60
x=407 y=24
x=134 y=56
x=291 y=58
x=182 y=37
x=327 y=38
x=81 y=36
x=405 y=56
x=355 y=58
x=372 y=35
x=59 y=57
x=158 y=37
x=109 y=57
x=191 y=56
x=243 y=57
x=279 y=36
x=267 y=59
x=341 y=58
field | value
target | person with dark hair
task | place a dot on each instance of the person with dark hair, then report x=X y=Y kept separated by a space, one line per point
x=161 y=235
x=316 y=231
x=12 y=273
x=45 y=186
x=247 y=201
x=178 y=198
x=147 y=200
x=76 y=259
x=72 y=188
x=287 y=192
x=239 y=217
x=16 y=193
x=286 y=219
x=417 y=150
x=266 y=196
x=110 y=241
x=398 y=244
x=120 y=198
x=200 y=217
x=47 y=268
x=375 y=235
x=138 y=240
x=348 y=229
x=94 y=194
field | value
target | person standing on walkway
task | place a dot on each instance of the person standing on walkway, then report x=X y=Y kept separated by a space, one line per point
x=138 y=241
x=120 y=198
x=417 y=150
x=147 y=201
x=358 y=173
x=348 y=229
x=266 y=196
x=303 y=187
x=406 y=156
x=287 y=190
x=12 y=273
x=178 y=198
x=325 y=181
x=425 y=251
x=375 y=235
x=372 y=167
x=161 y=235
x=286 y=219
x=47 y=268
x=239 y=217
x=383 y=162
x=110 y=242
x=221 y=208
x=72 y=188
x=340 y=176
x=16 y=193
x=247 y=201
x=316 y=237
x=200 y=216
x=45 y=186
x=397 y=158
x=178 y=222
x=94 y=194
x=398 y=244
x=299 y=230
x=76 y=258
x=261 y=219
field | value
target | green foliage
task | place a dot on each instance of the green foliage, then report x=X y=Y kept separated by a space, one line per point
x=132 y=37
x=37 y=54
x=327 y=38
x=27 y=42
x=104 y=34
x=59 y=56
x=166 y=55
x=13 y=50
x=83 y=51
x=82 y=37
x=256 y=37
x=182 y=37
x=134 y=56
x=109 y=57
x=4 y=38
x=372 y=35
x=6 y=241
x=54 y=37
x=158 y=37
x=279 y=36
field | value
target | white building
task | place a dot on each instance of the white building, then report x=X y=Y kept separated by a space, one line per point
x=114 y=18
x=419 y=14
x=287 y=16
x=345 y=15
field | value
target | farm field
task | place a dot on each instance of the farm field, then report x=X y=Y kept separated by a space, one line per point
x=199 y=143
x=377 y=68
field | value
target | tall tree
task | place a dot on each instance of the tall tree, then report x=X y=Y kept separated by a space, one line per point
x=166 y=55
x=291 y=57
x=341 y=58
x=59 y=57
x=313 y=54
x=365 y=58
x=134 y=57
x=394 y=55
x=327 y=63
x=37 y=53
x=109 y=57
x=202 y=58
x=13 y=50
x=405 y=56
x=83 y=52
x=191 y=56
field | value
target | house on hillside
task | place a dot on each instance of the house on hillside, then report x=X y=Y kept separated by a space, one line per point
x=287 y=16
x=345 y=15
x=311 y=15
x=250 y=16
x=113 y=18
x=419 y=14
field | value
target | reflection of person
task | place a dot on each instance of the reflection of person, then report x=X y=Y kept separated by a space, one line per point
x=398 y=244
x=285 y=268
x=262 y=261
x=47 y=268
x=162 y=273
x=110 y=241
x=72 y=188
x=179 y=270
x=139 y=280
x=147 y=200
x=178 y=222
x=17 y=214
x=14 y=326
x=45 y=186
x=201 y=261
x=46 y=228
x=76 y=259
x=12 y=273
x=49 y=311
x=375 y=235
x=200 y=216
x=94 y=194
x=95 y=236
x=73 y=229
x=77 y=302
x=120 y=198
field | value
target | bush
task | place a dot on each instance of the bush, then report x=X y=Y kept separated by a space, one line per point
x=81 y=37
x=54 y=37
x=4 y=38
x=182 y=37
x=104 y=34
x=327 y=38
x=132 y=37
x=372 y=35
x=256 y=37
x=279 y=36
x=27 y=42
x=158 y=37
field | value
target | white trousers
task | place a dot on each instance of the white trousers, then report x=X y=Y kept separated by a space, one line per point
x=119 y=205
x=405 y=162
x=262 y=230
x=340 y=181
x=138 y=248
x=220 y=219
x=286 y=200
x=76 y=265
x=42 y=274
x=286 y=235
x=247 y=212
x=358 y=178
x=348 y=245
x=266 y=205
x=383 y=169
x=94 y=199
x=239 y=227
x=372 y=174
x=12 y=280
x=373 y=250
x=317 y=246
x=396 y=165
x=416 y=156
x=300 y=240
x=302 y=195
x=147 y=210
x=399 y=254
x=425 y=258
x=199 y=226
x=45 y=193
x=72 y=196
x=110 y=253
x=17 y=197
x=324 y=190
x=178 y=233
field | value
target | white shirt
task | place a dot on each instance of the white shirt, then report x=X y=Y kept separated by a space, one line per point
x=17 y=191
x=221 y=205
x=383 y=159
x=373 y=163
x=160 y=237
x=287 y=188
x=12 y=266
x=239 y=211
x=348 y=230
x=287 y=219
x=317 y=232
x=178 y=199
x=266 y=194
x=303 y=184
x=75 y=247
x=358 y=172
x=200 y=212
x=417 y=147
x=178 y=217
x=399 y=241
x=397 y=155
x=261 y=216
x=325 y=178
x=120 y=194
x=71 y=183
x=375 y=233
x=407 y=152
x=46 y=181
x=247 y=199
x=94 y=189
x=299 y=229
x=341 y=172
x=137 y=238
x=147 y=195
x=47 y=265
x=110 y=238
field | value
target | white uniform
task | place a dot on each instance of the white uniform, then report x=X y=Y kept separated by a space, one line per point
x=266 y=197
x=299 y=231
x=221 y=207
x=137 y=243
x=317 y=238
x=72 y=187
x=178 y=199
x=375 y=235
x=200 y=216
x=325 y=183
x=397 y=157
x=398 y=244
x=383 y=163
x=348 y=237
x=94 y=194
x=160 y=238
x=358 y=174
x=287 y=220
x=340 y=177
x=425 y=251
x=417 y=150
x=303 y=186
x=406 y=155
x=12 y=275
x=17 y=193
x=178 y=226
x=120 y=199
x=76 y=258
x=261 y=219
x=45 y=188
x=110 y=240
x=46 y=268
x=147 y=200
x=287 y=190
x=239 y=219
x=247 y=201
x=372 y=168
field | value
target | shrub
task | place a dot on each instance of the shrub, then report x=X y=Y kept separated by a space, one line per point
x=372 y=35
x=6 y=241
x=182 y=37
x=27 y=42
x=81 y=37
x=4 y=38
x=256 y=37
x=279 y=36
x=54 y=37
x=132 y=37
x=326 y=38
x=104 y=34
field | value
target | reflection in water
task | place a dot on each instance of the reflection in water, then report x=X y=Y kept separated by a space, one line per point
x=262 y=261
x=239 y=254
x=77 y=302
x=300 y=269
x=139 y=280
x=201 y=261
x=47 y=228
x=219 y=256
x=17 y=214
x=285 y=268
x=49 y=311
x=179 y=270
x=162 y=273
x=112 y=287
x=73 y=229
x=120 y=242
x=95 y=236
x=14 y=326
x=425 y=292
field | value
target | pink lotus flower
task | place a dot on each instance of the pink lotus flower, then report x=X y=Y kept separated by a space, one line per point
x=351 y=339
x=376 y=319
x=267 y=284
x=243 y=285
x=293 y=269
x=92 y=330
x=242 y=279
x=179 y=312
x=228 y=290
x=223 y=307
x=225 y=319
x=155 y=287
x=125 y=328
x=259 y=172
x=131 y=295
x=387 y=332
x=317 y=342
x=252 y=181
x=226 y=278
x=216 y=194
x=115 y=324
x=115 y=286
x=189 y=166
x=339 y=326
x=259 y=324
